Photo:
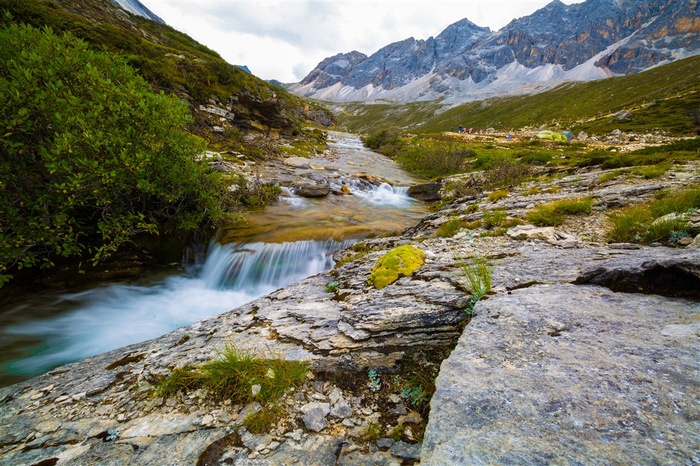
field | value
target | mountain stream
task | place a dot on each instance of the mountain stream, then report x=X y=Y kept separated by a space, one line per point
x=288 y=241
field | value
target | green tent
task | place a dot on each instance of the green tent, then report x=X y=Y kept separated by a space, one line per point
x=553 y=136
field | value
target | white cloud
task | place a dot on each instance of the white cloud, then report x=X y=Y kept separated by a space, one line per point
x=285 y=40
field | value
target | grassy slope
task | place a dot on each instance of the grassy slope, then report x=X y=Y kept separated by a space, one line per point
x=665 y=98
x=169 y=59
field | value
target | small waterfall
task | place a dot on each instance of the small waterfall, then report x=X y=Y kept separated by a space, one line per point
x=108 y=317
x=387 y=195
x=264 y=267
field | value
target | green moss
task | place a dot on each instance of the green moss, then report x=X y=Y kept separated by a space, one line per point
x=400 y=261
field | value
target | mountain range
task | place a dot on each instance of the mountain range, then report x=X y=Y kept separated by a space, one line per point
x=465 y=62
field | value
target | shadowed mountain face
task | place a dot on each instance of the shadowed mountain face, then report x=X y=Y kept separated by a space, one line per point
x=580 y=42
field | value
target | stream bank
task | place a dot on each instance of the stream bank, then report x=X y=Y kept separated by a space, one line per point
x=585 y=374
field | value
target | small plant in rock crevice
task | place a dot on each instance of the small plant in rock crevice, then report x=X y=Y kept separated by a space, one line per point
x=375 y=383
x=478 y=272
x=332 y=286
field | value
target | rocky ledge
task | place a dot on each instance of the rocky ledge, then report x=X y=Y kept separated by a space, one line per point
x=558 y=365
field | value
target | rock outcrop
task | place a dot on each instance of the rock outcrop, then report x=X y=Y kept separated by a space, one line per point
x=580 y=354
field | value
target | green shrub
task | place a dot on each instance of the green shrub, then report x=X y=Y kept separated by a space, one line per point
x=553 y=213
x=435 y=159
x=91 y=157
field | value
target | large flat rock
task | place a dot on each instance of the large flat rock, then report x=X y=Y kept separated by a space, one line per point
x=566 y=374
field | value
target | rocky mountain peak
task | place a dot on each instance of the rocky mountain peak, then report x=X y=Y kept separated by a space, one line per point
x=579 y=42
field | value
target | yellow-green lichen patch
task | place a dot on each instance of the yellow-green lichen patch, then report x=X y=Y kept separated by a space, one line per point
x=401 y=261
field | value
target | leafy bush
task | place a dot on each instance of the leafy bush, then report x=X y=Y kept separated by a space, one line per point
x=505 y=172
x=435 y=159
x=90 y=155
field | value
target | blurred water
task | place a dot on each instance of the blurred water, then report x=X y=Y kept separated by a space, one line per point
x=107 y=317
x=284 y=243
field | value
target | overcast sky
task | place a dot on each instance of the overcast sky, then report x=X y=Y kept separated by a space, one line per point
x=285 y=40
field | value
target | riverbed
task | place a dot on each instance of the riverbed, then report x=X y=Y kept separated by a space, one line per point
x=284 y=243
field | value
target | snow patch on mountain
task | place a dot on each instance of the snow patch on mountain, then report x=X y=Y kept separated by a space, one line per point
x=137 y=8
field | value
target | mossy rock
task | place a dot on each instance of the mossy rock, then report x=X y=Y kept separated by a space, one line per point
x=398 y=262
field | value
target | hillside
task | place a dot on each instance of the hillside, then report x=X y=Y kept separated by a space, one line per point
x=666 y=98
x=223 y=99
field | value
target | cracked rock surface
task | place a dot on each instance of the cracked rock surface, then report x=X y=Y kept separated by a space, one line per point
x=560 y=364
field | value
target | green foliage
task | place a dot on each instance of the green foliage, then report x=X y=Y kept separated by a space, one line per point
x=168 y=59
x=400 y=261
x=478 y=272
x=416 y=395
x=653 y=171
x=332 y=286
x=262 y=421
x=449 y=228
x=493 y=218
x=497 y=195
x=434 y=159
x=375 y=383
x=91 y=157
x=639 y=224
x=233 y=374
x=252 y=194
x=553 y=213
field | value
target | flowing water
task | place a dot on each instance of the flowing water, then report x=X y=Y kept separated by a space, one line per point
x=286 y=242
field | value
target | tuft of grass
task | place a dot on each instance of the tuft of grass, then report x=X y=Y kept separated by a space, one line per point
x=533 y=190
x=664 y=230
x=493 y=218
x=184 y=378
x=609 y=176
x=639 y=224
x=628 y=225
x=372 y=432
x=449 y=228
x=553 y=213
x=497 y=195
x=651 y=171
x=478 y=272
x=232 y=374
x=261 y=422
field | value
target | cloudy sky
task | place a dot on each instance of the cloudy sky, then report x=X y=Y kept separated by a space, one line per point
x=285 y=40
